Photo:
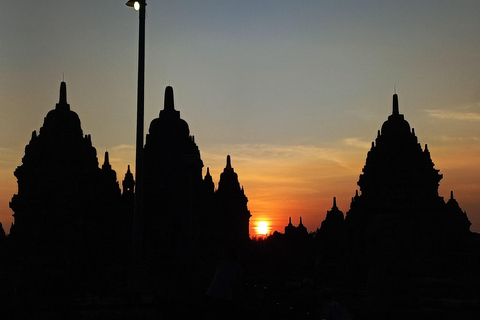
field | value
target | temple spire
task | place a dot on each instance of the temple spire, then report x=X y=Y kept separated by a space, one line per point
x=106 y=163
x=128 y=183
x=229 y=163
x=168 y=102
x=63 y=93
x=62 y=102
x=395 y=111
x=107 y=160
x=334 y=202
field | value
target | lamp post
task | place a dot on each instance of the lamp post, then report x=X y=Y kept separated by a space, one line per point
x=138 y=209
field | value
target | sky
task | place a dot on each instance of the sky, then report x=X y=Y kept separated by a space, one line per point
x=293 y=90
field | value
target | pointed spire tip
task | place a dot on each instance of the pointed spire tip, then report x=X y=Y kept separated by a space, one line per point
x=63 y=92
x=106 y=158
x=169 y=101
x=395 y=105
x=229 y=162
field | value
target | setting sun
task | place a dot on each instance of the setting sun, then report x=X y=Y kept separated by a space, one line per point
x=262 y=227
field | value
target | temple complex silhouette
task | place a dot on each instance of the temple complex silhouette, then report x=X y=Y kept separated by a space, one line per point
x=66 y=203
x=73 y=230
x=185 y=217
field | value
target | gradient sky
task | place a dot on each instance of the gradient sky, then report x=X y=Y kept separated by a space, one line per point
x=294 y=91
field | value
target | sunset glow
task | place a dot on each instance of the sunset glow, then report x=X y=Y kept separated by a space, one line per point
x=262 y=228
x=294 y=93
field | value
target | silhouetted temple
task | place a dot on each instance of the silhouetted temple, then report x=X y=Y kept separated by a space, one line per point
x=231 y=215
x=289 y=228
x=400 y=249
x=182 y=210
x=173 y=183
x=299 y=231
x=64 y=201
x=399 y=196
x=331 y=237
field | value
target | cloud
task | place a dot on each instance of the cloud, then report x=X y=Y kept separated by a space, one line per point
x=357 y=143
x=278 y=162
x=452 y=115
x=120 y=156
x=463 y=141
x=279 y=180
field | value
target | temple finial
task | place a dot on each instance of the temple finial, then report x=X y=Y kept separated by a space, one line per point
x=63 y=93
x=334 y=202
x=229 y=163
x=106 y=158
x=168 y=102
x=62 y=103
x=451 y=195
x=106 y=163
x=300 y=221
x=395 y=105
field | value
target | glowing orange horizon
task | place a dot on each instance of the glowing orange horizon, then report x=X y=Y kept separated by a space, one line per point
x=298 y=186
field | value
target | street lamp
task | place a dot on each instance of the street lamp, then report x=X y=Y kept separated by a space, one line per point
x=135 y=4
x=138 y=207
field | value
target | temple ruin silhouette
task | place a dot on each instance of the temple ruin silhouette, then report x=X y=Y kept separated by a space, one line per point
x=397 y=227
x=185 y=216
x=399 y=194
x=73 y=230
x=66 y=203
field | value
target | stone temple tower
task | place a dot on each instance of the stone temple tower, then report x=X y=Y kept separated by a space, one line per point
x=232 y=214
x=172 y=186
x=64 y=199
x=399 y=192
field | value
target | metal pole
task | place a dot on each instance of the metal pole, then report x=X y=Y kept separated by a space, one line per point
x=138 y=209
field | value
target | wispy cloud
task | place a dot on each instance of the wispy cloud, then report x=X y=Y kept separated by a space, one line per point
x=465 y=142
x=120 y=157
x=270 y=158
x=453 y=115
x=357 y=143
x=280 y=180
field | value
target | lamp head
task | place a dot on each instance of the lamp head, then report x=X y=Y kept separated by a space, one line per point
x=135 y=4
